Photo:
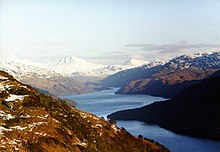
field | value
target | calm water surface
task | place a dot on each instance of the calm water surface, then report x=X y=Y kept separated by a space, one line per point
x=105 y=102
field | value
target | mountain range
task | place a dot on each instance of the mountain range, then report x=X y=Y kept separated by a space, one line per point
x=40 y=77
x=123 y=77
x=194 y=112
x=71 y=75
x=32 y=121
x=63 y=76
x=166 y=79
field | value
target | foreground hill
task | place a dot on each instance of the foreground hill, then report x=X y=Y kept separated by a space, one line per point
x=174 y=76
x=194 y=112
x=31 y=121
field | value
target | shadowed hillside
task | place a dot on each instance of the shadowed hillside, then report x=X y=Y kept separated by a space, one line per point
x=195 y=111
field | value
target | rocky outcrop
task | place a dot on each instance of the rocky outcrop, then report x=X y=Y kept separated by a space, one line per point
x=31 y=121
x=194 y=112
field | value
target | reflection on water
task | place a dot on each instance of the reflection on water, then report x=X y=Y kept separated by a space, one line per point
x=105 y=102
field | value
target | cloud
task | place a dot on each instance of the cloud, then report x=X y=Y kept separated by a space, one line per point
x=172 y=48
x=151 y=52
x=109 y=58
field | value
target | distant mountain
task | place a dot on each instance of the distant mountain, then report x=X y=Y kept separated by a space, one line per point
x=36 y=75
x=103 y=72
x=107 y=70
x=123 y=77
x=69 y=65
x=176 y=75
x=63 y=76
x=31 y=121
x=135 y=62
x=195 y=111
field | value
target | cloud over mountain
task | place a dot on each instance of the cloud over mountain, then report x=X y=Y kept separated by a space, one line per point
x=181 y=45
x=171 y=49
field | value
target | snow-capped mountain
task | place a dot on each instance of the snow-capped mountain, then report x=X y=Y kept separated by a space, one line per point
x=69 y=65
x=135 y=62
x=34 y=74
x=112 y=69
x=199 y=60
x=103 y=72
x=22 y=68
x=154 y=63
x=174 y=76
x=61 y=76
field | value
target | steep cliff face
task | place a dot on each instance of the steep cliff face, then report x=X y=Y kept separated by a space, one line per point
x=195 y=111
x=31 y=121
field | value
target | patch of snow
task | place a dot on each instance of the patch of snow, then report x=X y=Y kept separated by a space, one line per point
x=8 y=117
x=41 y=134
x=4 y=86
x=114 y=127
x=2 y=113
x=36 y=124
x=3 y=78
x=98 y=125
x=56 y=120
x=18 y=149
x=83 y=144
x=3 y=129
x=25 y=116
x=13 y=97
x=19 y=128
x=83 y=115
x=43 y=117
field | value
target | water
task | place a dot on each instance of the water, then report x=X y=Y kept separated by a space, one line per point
x=105 y=102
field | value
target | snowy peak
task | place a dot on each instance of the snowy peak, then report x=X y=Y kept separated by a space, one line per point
x=68 y=65
x=135 y=62
x=21 y=69
x=154 y=63
x=67 y=60
x=104 y=71
x=199 y=60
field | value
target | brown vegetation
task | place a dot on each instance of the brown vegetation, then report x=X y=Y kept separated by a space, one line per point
x=37 y=122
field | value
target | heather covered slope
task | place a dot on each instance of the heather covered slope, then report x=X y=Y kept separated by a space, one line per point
x=195 y=111
x=31 y=121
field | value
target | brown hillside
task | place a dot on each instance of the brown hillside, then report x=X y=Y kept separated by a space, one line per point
x=31 y=121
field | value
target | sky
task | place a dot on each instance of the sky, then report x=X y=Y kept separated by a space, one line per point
x=108 y=31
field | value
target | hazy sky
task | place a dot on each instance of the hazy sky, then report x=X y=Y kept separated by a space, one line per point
x=108 y=30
